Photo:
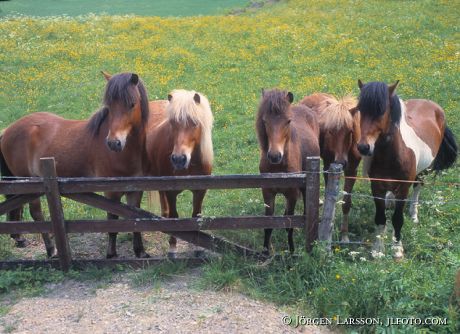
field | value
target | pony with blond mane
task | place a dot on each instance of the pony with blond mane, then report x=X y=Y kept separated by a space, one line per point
x=179 y=142
x=339 y=134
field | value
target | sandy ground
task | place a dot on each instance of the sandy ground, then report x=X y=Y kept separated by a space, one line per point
x=172 y=306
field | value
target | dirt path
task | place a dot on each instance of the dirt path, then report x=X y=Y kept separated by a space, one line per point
x=173 y=306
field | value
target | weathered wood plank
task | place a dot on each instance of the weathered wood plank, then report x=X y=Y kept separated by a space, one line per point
x=330 y=200
x=183 y=224
x=198 y=238
x=312 y=202
x=16 y=202
x=277 y=180
x=14 y=227
x=22 y=186
x=48 y=168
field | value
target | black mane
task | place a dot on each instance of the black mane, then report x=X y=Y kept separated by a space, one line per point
x=120 y=88
x=374 y=99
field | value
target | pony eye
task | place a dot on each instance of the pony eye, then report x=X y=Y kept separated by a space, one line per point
x=132 y=106
x=288 y=121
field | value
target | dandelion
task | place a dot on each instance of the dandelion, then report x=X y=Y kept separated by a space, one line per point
x=337 y=277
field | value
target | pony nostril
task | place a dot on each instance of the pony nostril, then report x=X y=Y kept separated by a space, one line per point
x=274 y=157
x=114 y=145
x=364 y=148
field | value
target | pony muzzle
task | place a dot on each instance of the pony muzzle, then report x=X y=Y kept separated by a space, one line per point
x=180 y=161
x=365 y=149
x=116 y=144
x=274 y=157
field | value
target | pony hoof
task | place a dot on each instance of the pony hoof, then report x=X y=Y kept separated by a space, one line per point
x=199 y=253
x=345 y=239
x=172 y=255
x=22 y=243
x=51 y=252
x=142 y=255
x=111 y=256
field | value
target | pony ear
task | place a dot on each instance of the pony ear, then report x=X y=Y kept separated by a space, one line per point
x=169 y=97
x=392 y=88
x=290 y=97
x=263 y=92
x=197 y=98
x=106 y=75
x=360 y=84
x=134 y=79
x=353 y=111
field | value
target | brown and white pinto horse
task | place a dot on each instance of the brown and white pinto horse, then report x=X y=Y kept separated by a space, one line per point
x=402 y=139
x=339 y=133
x=110 y=143
x=287 y=136
x=179 y=143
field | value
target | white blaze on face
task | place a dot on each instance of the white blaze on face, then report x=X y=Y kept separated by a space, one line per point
x=422 y=152
x=120 y=135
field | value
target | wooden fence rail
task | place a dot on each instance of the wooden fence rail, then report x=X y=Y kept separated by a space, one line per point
x=137 y=220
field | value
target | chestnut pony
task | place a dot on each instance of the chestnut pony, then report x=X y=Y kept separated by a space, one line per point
x=179 y=143
x=110 y=143
x=402 y=139
x=287 y=136
x=339 y=134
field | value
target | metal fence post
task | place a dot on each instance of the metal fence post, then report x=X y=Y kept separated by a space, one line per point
x=311 y=201
x=48 y=169
x=330 y=200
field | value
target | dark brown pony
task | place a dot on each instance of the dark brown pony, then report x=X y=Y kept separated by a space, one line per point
x=287 y=136
x=401 y=139
x=179 y=143
x=339 y=134
x=110 y=143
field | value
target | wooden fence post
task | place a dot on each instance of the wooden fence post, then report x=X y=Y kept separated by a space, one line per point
x=311 y=202
x=48 y=169
x=330 y=200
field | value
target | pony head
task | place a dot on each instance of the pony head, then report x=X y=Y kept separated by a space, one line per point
x=125 y=109
x=191 y=120
x=339 y=123
x=274 y=123
x=379 y=108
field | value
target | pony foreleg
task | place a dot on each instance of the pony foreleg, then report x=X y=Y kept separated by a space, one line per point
x=112 y=242
x=378 y=249
x=269 y=202
x=134 y=199
x=398 y=221
x=291 y=200
x=35 y=209
x=413 y=208
x=172 y=201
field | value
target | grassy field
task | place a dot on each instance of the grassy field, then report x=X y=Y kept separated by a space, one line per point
x=53 y=64
x=118 y=7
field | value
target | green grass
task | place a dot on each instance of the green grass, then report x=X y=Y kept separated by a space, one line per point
x=118 y=7
x=53 y=64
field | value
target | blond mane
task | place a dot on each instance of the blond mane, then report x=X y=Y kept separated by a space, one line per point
x=183 y=109
x=335 y=113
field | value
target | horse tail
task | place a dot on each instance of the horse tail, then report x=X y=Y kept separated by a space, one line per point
x=447 y=153
x=4 y=169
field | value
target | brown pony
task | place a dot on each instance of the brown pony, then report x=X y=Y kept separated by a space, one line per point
x=110 y=143
x=402 y=139
x=179 y=143
x=287 y=136
x=339 y=134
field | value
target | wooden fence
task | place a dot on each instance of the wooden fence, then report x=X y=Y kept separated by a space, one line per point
x=84 y=190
